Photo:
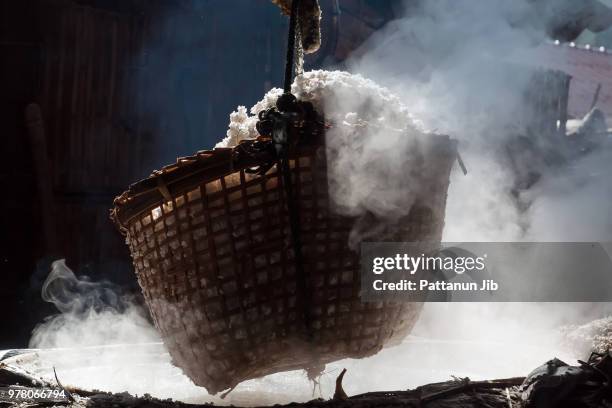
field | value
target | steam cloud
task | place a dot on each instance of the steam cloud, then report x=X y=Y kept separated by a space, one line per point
x=92 y=313
x=452 y=62
x=102 y=339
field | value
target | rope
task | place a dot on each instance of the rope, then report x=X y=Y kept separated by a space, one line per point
x=293 y=22
x=283 y=165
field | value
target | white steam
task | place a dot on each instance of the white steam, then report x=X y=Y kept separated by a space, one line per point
x=92 y=314
x=452 y=62
x=456 y=65
x=574 y=204
x=101 y=339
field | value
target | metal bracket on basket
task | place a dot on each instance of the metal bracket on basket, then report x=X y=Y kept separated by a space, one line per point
x=259 y=151
x=278 y=122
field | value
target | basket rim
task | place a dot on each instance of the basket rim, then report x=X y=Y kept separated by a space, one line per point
x=207 y=165
x=190 y=171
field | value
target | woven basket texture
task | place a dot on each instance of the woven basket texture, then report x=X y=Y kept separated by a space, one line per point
x=215 y=262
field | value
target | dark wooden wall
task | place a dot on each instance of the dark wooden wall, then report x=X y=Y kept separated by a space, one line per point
x=122 y=87
x=20 y=79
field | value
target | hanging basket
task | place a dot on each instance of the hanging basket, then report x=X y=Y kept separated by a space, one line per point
x=212 y=250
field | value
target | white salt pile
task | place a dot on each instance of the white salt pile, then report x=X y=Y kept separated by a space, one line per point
x=374 y=146
x=593 y=336
x=343 y=98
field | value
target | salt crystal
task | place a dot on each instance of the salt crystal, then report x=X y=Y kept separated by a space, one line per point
x=342 y=97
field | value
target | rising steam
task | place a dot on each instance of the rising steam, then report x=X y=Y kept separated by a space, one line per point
x=91 y=313
x=455 y=64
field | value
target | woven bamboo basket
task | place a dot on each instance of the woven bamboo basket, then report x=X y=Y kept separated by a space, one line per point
x=211 y=246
